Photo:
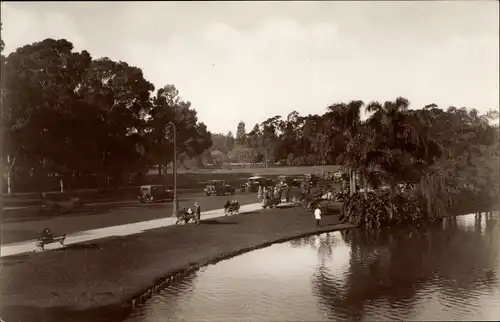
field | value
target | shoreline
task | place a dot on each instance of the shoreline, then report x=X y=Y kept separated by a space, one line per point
x=87 y=286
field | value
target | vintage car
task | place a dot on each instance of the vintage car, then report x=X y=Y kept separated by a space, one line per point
x=219 y=188
x=253 y=183
x=155 y=192
x=311 y=178
x=290 y=181
x=57 y=203
x=286 y=180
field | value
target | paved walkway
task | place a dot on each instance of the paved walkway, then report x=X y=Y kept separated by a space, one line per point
x=120 y=230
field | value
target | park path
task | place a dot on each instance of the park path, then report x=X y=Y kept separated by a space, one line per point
x=119 y=230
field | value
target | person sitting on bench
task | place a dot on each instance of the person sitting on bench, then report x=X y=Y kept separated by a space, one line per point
x=47 y=234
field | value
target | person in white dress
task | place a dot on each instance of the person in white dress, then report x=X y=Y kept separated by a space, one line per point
x=317 y=215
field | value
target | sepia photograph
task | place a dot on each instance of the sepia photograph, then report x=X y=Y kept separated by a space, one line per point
x=249 y=161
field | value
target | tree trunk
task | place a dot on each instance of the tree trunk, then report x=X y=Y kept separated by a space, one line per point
x=9 y=176
x=323 y=168
x=265 y=157
x=9 y=182
x=103 y=169
x=365 y=185
x=352 y=182
x=394 y=188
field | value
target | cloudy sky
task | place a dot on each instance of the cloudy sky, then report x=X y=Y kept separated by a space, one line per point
x=252 y=60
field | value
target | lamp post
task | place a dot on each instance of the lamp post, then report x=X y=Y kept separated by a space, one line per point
x=174 y=165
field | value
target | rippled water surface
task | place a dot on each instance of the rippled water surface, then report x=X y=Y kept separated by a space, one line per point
x=448 y=271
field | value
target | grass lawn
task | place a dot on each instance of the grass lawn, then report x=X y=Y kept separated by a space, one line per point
x=272 y=171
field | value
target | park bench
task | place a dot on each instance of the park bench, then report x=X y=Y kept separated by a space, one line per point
x=48 y=238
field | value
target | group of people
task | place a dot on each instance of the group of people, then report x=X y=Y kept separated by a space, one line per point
x=196 y=213
x=266 y=194
x=231 y=207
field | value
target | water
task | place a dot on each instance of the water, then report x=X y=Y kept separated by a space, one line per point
x=448 y=271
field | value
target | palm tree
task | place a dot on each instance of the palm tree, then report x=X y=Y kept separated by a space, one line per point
x=401 y=149
x=345 y=120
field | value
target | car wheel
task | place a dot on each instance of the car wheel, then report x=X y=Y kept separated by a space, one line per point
x=142 y=201
x=208 y=194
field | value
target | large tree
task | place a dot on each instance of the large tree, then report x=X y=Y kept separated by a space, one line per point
x=64 y=112
x=193 y=137
x=39 y=94
x=240 y=134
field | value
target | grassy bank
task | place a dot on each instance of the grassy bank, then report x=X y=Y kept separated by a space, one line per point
x=99 y=281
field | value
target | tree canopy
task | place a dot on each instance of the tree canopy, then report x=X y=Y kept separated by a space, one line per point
x=66 y=112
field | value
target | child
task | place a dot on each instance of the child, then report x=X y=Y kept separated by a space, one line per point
x=317 y=215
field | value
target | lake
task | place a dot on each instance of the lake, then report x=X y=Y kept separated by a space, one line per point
x=441 y=271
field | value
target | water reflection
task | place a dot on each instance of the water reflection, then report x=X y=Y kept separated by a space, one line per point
x=447 y=270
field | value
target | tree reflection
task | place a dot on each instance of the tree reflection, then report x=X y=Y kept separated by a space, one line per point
x=393 y=266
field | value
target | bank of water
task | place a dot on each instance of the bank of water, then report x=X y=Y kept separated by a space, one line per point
x=445 y=271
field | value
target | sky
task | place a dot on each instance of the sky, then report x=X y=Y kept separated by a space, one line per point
x=252 y=60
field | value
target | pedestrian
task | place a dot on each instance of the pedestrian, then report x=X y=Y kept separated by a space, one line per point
x=288 y=194
x=260 y=194
x=197 y=212
x=317 y=215
x=227 y=205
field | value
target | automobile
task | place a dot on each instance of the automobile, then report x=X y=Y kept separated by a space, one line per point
x=297 y=182
x=286 y=179
x=269 y=183
x=311 y=178
x=219 y=188
x=253 y=183
x=155 y=192
x=58 y=203
x=328 y=206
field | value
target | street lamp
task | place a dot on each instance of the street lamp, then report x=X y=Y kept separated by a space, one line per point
x=174 y=164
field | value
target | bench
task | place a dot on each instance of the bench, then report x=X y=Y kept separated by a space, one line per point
x=45 y=240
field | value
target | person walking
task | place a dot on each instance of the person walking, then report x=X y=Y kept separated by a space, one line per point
x=277 y=194
x=317 y=215
x=288 y=194
x=227 y=205
x=197 y=212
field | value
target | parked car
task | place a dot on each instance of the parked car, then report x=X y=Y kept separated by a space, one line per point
x=253 y=183
x=311 y=178
x=157 y=192
x=219 y=188
x=59 y=203
x=286 y=180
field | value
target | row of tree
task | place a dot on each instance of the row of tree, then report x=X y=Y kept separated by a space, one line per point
x=444 y=155
x=331 y=138
x=67 y=113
